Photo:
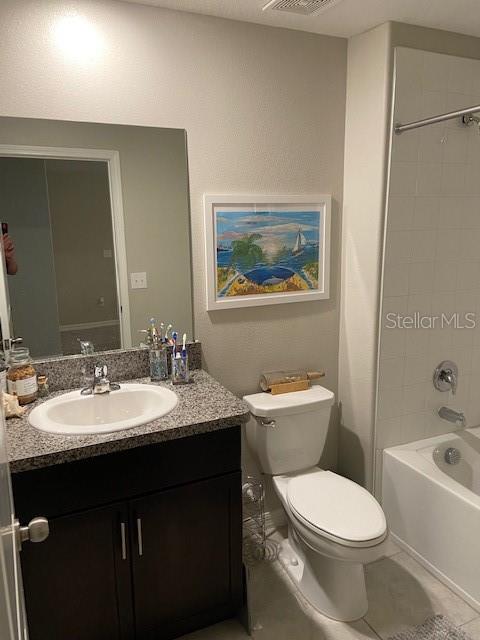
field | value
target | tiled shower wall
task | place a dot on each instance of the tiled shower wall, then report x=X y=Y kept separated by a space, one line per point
x=432 y=254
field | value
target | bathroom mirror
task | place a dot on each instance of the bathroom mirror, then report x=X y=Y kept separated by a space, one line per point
x=95 y=234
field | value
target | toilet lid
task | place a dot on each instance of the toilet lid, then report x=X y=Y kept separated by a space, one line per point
x=336 y=506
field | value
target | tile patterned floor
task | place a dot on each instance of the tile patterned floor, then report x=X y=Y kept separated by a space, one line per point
x=401 y=594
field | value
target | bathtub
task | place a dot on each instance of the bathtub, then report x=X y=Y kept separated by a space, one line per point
x=433 y=508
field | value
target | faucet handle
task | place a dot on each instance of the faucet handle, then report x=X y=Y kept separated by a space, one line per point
x=451 y=377
x=445 y=376
x=101 y=384
x=100 y=371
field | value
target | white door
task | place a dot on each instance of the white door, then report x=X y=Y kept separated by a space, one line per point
x=12 y=622
x=12 y=619
x=13 y=625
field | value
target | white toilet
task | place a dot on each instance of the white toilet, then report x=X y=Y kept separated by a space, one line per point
x=334 y=525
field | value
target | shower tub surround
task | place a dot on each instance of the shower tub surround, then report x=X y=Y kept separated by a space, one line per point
x=431 y=256
x=431 y=497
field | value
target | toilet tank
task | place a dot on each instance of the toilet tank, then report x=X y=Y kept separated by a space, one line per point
x=287 y=432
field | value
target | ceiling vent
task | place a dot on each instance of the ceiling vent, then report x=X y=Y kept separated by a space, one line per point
x=302 y=7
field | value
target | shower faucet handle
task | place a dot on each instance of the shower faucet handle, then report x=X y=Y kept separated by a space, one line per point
x=445 y=377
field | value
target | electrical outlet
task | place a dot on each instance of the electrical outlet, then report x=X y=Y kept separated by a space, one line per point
x=138 y=280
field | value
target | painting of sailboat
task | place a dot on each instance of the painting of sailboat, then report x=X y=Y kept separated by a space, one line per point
x=300 y=243
x=266 y=254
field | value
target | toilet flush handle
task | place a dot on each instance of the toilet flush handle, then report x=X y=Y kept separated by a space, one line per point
x=270 y=424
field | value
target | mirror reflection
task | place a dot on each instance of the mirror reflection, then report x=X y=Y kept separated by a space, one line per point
x=95 y=234
x=59 y=254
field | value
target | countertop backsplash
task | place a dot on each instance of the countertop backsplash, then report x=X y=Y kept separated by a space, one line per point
x=66 y=372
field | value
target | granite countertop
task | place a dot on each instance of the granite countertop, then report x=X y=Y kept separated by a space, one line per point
x=205 y=405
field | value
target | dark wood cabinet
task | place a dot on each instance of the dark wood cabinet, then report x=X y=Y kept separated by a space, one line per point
x=161 y=560
x=184 y=572
x=78 y=575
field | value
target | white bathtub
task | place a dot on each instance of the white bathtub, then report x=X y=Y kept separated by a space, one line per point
x=433 y=508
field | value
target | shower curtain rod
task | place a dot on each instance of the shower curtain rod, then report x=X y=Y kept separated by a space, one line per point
x=401 y=128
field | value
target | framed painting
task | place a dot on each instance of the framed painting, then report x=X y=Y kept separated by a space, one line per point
x=266 y=250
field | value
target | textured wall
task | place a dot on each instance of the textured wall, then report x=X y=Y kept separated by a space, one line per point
x=264 y=111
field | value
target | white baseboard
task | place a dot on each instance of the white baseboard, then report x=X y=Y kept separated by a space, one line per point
x=89 y=325
x=453 y=586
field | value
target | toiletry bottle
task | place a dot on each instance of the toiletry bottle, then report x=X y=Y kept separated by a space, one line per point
x=43 y=389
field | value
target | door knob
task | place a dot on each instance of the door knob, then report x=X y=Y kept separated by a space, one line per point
x=37 y=530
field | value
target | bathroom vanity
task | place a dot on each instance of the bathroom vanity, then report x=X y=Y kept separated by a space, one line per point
x=145 y=524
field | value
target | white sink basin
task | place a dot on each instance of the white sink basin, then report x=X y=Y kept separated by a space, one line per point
x=131 y=406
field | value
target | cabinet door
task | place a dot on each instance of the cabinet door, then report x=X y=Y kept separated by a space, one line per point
x=77 y=583
x=186 y=556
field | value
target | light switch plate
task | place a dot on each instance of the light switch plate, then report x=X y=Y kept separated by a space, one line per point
x=138 y=280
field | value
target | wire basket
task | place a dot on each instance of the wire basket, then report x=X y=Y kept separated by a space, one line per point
x=256 y=546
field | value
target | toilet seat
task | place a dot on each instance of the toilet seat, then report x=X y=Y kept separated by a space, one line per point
x=336 y=508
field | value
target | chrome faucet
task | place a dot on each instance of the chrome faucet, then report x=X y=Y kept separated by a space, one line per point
x=456 y=417
x=101 y=384
x=86 y=347
x=450 y=377
x=445 y=376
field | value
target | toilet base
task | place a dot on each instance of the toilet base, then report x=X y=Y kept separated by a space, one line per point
x=333 y=587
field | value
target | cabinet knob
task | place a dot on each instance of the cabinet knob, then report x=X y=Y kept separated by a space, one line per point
x=37 y=530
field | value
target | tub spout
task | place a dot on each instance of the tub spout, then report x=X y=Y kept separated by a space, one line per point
x=455 y=417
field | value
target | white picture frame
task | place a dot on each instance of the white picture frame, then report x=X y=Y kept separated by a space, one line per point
x=263 y=250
